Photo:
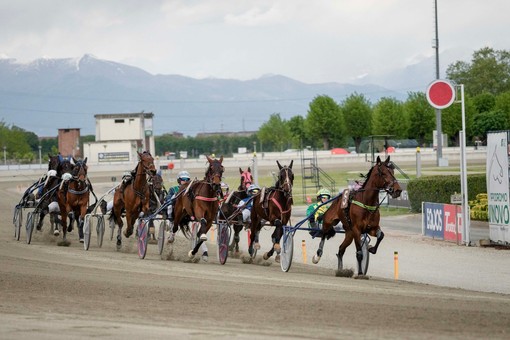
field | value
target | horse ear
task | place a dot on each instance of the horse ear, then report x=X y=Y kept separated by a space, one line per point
x=240 y=170
x=221 y=159
x=378 y=160
x=249 y=169
x=387 y=160
x=279 y=165
x=208 y=159
x=290 y=165
x=85 y=160
x=72 y=161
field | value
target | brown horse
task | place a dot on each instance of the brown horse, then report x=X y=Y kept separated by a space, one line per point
x=135 y=197
x=198 y=201
x=273 y=205
x=228 y=208
x=361 y=215
x=73 y=197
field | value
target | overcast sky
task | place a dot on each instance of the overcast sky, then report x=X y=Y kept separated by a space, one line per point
x=312 y=41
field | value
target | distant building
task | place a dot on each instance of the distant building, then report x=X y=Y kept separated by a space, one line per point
x=119 y=136
x=69 y=142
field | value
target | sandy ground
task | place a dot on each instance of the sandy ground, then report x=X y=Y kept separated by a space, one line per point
x=49 y=291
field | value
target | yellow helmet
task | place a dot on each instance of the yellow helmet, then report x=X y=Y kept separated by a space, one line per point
x=323 y=192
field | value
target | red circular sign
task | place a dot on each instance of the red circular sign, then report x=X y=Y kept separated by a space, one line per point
x=440 y=94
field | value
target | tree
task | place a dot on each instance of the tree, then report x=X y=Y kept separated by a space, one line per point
x=357 y=112
x=297 y=129
x=487 y=121
x=421 y=117
x=325 y=121
x=503 y=104
x=489 y=71
x=275 y=131
x=389 y=118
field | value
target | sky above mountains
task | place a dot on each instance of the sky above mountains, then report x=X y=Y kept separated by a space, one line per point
x=310 y=41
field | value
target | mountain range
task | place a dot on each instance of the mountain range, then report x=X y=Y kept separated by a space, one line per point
x=45 y=95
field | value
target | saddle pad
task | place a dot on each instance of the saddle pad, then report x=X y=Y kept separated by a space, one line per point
x=345 y=199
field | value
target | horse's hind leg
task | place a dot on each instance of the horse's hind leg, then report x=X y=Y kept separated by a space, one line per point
x=234 y=246
x=380 y=235
x=341 y=250
x=203 y=230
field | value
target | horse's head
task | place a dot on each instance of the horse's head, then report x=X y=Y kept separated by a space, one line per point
x=147 y=163
x=246 y=179
x=157 y=183
x=64 y=166
x=285 y=177
x=214 y=171
x=53 y=162
x=386 y=179
x=80 y=168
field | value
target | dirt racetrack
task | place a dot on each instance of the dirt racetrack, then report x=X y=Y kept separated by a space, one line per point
x=52 y=292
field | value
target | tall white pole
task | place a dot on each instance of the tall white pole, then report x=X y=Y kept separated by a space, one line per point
x=463 y=173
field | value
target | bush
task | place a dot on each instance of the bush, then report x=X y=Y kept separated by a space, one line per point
x=438 y=189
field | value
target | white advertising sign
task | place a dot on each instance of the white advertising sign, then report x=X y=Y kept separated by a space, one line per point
x=497 y=187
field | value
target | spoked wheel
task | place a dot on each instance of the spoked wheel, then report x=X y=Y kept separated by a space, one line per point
x=86 y=231
x=161 y=236
x=223 y=240
x=100 y=230
x=32 y=220
x=287 y=249
x=18 y=221
x=365 y=240
x=143 y=232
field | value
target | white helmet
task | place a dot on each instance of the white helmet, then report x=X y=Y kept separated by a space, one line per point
x=253 y=189
x=183 y=176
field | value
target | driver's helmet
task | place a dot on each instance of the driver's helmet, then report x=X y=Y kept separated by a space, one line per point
x=183 y=176
x=253 y=189
x=224 y=188
x=323 y=193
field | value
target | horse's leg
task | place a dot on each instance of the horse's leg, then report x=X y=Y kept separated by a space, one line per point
x=377 y=232
x=205 y=254
x=341 y=249
x=234 y=246
x=253 y=234
x=81 y=212
x=41 y=218
x=359 y=253
x=317 y=257
x=203 y=229
x=193 y=251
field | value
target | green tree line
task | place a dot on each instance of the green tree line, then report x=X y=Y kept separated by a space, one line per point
x=329 y=124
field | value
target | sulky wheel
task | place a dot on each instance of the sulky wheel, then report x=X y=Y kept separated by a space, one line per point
x=287 y=249
x=143 y=232
x=86 y=231
x=223 y=241
x=161 y=236
x=365 y=240
x=100 y=230
x=18 y=221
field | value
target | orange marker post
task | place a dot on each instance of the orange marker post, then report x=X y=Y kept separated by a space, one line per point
x=303 y=250
x=395 y=260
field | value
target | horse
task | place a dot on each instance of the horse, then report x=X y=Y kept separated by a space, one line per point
x=361 y=214
x=198 y=201
x=135 y=197
x=228 y=208
x=73 y=196
x=273 y=205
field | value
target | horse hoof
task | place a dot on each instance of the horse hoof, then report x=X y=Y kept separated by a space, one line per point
x=372 y=250
x=256 y=246
x=56 y=232
x=171 y=238
x=152 y=230
x=316 y=259
x=265 y=256
x=190 y=254
x=203 y=237
x=277 y=247
x=277 y=258
x=205 y=257
x=70 y=228
x=81 y=240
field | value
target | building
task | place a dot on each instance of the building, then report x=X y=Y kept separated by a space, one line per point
x=119 y=136
x=69 y=142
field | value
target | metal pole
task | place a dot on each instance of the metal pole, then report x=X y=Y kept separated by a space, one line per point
x=463 y=173
x=40 y=158
x=439 y=151
x=418 y=162
x=5 y=156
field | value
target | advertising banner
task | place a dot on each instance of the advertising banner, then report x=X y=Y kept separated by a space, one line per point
x=453 y=223
x=497 y=186
x=433 y=220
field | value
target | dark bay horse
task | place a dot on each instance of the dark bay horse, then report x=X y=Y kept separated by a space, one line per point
x=198 y=201
x=361 y=215
x=135 y=198
x=228 y=208
x=157 y=197
x=51 y=180
x=273 y=205
x=73 y=196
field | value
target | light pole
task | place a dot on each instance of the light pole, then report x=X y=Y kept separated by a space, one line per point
x=40 y=158
x=439 y=151
x=5 y=157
